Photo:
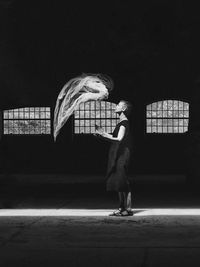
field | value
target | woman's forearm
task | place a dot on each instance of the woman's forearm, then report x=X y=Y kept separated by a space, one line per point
x=110 y=137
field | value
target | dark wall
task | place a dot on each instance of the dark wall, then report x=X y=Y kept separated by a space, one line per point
x=149 y=48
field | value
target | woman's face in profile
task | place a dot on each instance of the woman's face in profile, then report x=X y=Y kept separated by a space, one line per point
x=120 y=107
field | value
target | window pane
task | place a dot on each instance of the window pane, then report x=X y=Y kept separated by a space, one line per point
x=159 y=122
x=92 y=105
x=92 y=114
x=76 y=129
x=16 y=115
x=81 y=129
x=76 y=113
x=108 y=113
x=185 y=106
x=180 y=122
x=81 y=106
x=81 y=114
x=154 y=106
x=93 y=129
x=180 y=105
x=181 y=129
x=5 y=130
x=170 y=122
x=176 y=129
x=21 y=115
x=10 y=115
x=153 y=122
x=76 y=123
x=186 y=113
x=148 y=129
x=170 y=130
x=176 y=114
x=103 y=123
x=92 y=122
x=102 y=105
x=97 y=105
x=154 y=129
x=170 y=114
x=185 y=122
x=87 y=114
x=87 y=123
x=82 y=122
x=5 y=115
x=149 y=107
x=98 y=114
x=165 y=122
x=159 y=113
x=103 y=114
x=41 y=115
x=154 y=113
x=176 y=107
x=149 y=113
x=164 y=129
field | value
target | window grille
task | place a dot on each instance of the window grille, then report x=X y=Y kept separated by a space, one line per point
x=29 y=120
x=95 y=112
x=167 y=116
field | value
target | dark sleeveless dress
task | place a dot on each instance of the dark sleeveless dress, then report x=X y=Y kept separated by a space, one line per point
x=118 y=159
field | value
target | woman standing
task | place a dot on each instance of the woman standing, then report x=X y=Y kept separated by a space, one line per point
x=119 y=154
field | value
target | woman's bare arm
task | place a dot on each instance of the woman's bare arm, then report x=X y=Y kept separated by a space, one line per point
x=108 y=136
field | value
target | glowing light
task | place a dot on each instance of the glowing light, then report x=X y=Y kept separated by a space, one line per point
x=94 y=212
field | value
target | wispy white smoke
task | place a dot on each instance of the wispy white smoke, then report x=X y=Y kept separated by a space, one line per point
x=79 y=90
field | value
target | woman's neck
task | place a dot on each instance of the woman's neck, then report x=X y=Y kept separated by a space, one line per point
x=122 y=117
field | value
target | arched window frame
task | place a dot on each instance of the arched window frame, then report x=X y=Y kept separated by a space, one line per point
x=20 y=121
x=94 y=112
x=172 y=118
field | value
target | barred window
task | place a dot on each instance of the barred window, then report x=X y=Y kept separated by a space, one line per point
x=167 y=116
x=29 y=120
x=95 y=112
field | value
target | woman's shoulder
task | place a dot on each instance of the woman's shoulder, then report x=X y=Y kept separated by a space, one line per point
x=124 y=122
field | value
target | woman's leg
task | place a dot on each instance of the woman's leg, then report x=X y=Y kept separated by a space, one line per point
x=122 y=201
x=127 y=197
x=122 y=205
x=128 y=200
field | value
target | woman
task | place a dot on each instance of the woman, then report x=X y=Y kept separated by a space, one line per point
x=119 y=154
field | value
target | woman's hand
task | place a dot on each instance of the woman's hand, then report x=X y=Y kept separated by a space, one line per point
x=98 y=129
x=95 y=134
x=102 y=133
x=98 y=132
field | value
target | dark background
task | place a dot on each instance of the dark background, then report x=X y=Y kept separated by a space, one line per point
x=149 y=48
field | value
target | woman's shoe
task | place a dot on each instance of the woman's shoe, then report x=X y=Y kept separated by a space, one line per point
x=120 y=212
x=124 y=213
x=116 y=212
x=130 y=212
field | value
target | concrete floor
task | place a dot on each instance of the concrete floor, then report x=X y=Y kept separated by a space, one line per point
x=53 y=227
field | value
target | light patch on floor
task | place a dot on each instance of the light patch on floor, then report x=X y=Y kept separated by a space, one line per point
x=95 y=212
